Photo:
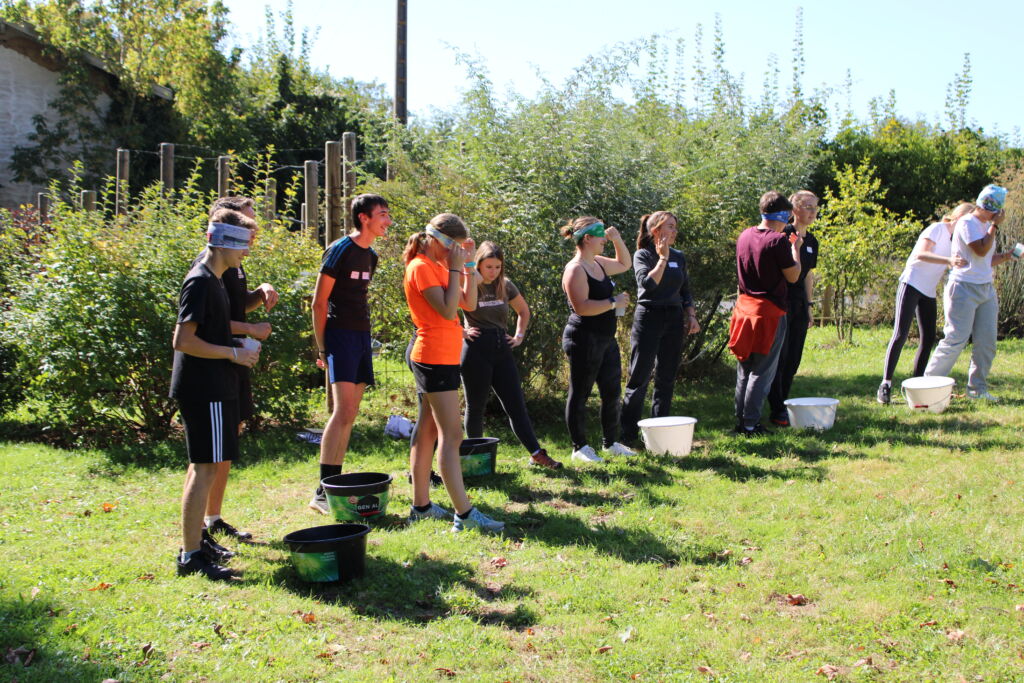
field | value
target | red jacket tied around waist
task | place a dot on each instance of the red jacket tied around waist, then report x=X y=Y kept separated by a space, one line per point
x=753 y=325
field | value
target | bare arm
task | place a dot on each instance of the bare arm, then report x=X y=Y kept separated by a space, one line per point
x=622 y=262
x=518 y=305
x=574 y=283
x=265 y=294
x=186 y=341
x=321 y=292
x=928 y=255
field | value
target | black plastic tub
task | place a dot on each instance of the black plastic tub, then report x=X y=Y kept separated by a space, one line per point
x=479 y=456
x=331 y=553
x=357 y=496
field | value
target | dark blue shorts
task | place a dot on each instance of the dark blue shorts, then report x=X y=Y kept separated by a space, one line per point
x=349 y=358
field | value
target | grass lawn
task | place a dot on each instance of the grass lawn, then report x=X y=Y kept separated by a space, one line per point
x=888 y=548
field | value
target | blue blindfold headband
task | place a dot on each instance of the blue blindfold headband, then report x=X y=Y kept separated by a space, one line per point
x=446 y=241
x=992 y=198
x=595 y=229
x=225 y=236
x=780 y=216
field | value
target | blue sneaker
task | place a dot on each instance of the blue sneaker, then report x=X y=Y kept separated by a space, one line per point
x=435 y=512
x=478 y=520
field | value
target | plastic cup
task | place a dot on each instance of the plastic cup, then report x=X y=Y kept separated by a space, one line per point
x=250 y=344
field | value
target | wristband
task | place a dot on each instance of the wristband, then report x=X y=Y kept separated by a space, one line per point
x=470 y=264
x=453 y=270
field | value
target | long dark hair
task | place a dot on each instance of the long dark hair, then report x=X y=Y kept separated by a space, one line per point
x=649 y=223
x=448 y=223
x=489 y=249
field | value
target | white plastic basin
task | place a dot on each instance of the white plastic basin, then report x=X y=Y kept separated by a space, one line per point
x=928 y=393
x=672 y=435
x=812 y=413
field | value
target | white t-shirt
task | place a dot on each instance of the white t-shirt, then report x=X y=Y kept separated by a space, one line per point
x=978 y=270
x=921 y=275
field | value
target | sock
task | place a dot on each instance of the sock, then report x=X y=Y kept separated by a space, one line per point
x=887 y=382
x=210 y=519
x=539 y=450
x=327 y=471
x=187 y=555
x=421 y=508
x=465 y=515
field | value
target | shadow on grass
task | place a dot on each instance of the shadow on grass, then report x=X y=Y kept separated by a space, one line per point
x=32 y=631
x=417 y=592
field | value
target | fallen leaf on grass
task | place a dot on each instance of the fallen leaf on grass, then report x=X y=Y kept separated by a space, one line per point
x=108 y=507
x=744 y=617
x=930 y=622
x=308 y=618
x=949 y=582
x=529 y=632
x=20 y=655
x=955 y=635
x=445 y=672
x=796 y=600
x=710 y=616
x=706 y=670
x=723 y=554
x=864 y=661
x=744 y=656
x=34 y=592
x=101 y=586
x=200 y=645
x=325 y=655
x=604 y=648
x=146 y=649
x=794 y=655
x=635 y=677
x=70 y=627
x=86 y=512
x=499 y=562
x=829 y=671
x=745 y=561
x=145 y=577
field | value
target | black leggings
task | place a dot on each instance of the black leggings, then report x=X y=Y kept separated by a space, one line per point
x=656 y=347
x=792 y=352
x=592 y=358
x=909 y=301
x=487 y=363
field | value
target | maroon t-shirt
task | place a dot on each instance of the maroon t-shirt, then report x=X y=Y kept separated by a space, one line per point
x=761 y=256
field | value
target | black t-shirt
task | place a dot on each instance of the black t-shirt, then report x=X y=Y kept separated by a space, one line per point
x=237 y=286
x=204 y=301
x=352 y=268
x=808 y=260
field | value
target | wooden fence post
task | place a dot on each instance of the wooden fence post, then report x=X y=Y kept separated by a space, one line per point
x=348 y=141
x=311 y=185
x=87 y=199
x=333 y=192
x=270 y=200
x=167 y=168
x=121 y=183
x=223 y=176
x=43 y=207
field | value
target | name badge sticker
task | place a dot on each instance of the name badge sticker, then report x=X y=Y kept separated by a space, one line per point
x=673 y=264
x=366 y=275
x=354 y=275
x=810 y=250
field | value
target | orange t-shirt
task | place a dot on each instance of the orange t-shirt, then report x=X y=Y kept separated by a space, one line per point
x=438 y=340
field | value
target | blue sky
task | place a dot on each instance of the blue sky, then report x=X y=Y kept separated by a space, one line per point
x=915 y=48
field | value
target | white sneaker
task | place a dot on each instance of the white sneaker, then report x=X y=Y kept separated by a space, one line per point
x=971 y=393
x=618 y=449
x=478 y=520
x=586 y=454
x=319 y=504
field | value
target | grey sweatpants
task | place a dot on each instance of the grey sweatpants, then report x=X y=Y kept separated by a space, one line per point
x=754 y=378
x=972 y=312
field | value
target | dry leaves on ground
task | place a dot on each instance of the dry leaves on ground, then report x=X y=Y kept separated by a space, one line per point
x=101 y=586
x=955 y=636
x=829 y=671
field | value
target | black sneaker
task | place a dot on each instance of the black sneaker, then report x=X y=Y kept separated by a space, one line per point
x=435 y=479
x=199 y=563
x=884 y=394
x=222 y=527
x=216 y=551
x=781 y=421
x=758 y=430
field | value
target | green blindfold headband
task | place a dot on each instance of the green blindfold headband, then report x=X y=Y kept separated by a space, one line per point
x=595 y=229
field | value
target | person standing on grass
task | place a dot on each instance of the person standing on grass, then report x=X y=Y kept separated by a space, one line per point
x=341 y=328
x=588 y=339
x=799 y=297
x=766 y=260
x=969 y=300
x=206 y=386
x=664 y=316
x=437 y=283
x=487 y=361
x=915 y=295
x=242 y=301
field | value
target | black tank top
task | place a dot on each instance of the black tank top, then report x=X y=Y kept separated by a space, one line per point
x=602 y=323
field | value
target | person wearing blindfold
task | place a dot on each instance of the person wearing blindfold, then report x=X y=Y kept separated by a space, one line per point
x=589 y=336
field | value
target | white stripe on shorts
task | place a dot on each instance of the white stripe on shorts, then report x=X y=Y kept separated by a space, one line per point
x=217 y=427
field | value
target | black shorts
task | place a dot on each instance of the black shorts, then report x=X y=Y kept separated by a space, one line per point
x=349 y=356
x=431 y=379
x=211 y=430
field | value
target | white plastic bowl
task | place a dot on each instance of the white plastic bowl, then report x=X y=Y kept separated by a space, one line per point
x=928 y=393
x=672 y=435
x=812 y=413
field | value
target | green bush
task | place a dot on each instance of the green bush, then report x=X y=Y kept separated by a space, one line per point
x=93 y=321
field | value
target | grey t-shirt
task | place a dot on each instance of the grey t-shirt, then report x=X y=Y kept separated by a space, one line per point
x=491 y=312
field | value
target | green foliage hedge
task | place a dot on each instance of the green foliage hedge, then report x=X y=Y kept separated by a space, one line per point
x=91 y=322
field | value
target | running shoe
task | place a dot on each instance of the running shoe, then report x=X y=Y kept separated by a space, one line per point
x=319 y=503
x=477 y=520
x=884 y=395
x=618 y=449
x=586 y=454
x=222 y=527
x=199 y=563
x=435 y=512
x=542 y=459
